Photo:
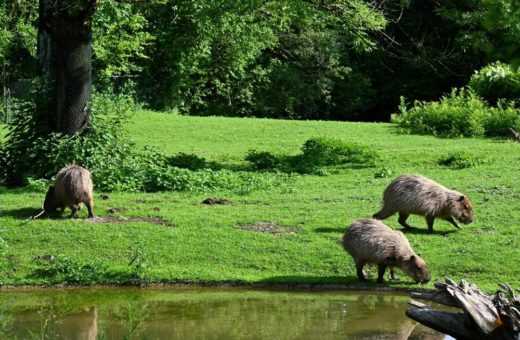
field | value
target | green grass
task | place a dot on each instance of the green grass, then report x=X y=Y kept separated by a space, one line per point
x=205 y=245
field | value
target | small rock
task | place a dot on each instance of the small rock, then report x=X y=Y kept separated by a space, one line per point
x=104 y=197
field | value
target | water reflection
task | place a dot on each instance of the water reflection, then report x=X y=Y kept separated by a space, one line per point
x=208 y=313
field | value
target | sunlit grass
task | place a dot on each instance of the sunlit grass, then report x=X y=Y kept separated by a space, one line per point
x=206 y=246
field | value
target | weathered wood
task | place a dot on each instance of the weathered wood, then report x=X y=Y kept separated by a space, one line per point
x=442 y=297
x=513 y=135
x=417 y=304
x=453 y=324
x=478 y=305
x=484 y=317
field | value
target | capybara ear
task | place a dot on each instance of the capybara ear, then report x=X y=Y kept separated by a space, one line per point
x=461 y=198
x=412 y=259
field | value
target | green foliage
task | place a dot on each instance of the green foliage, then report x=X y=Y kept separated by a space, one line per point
x=496 y=81
x=332 y=151
x=317 y=153
x=462 y=113
x=187 y=161
x=120 y=41
x=263 y=160
x=384 y=173
x=458 y=160
x=70 y=270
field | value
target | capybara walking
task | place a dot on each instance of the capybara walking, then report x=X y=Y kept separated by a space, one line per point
x=418 y=195
x=72 y=187
x=369 y=241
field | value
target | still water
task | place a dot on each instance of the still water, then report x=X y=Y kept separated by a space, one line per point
x=205 y=313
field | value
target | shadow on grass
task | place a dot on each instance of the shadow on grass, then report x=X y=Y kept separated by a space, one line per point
x=21 y=213
x=330 y=230
x=424 y=231
x=340 y=282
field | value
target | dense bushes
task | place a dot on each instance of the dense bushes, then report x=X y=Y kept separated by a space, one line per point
x=317 y=153
x=496 y=81
x=113 y=159
x=461 y=113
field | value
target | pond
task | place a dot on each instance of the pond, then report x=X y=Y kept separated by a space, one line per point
x=205 y=313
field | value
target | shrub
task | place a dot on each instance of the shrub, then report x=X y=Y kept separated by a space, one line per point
x=496 y=81
x=264 y=160
x=458 y=161
x=187 y=161
x=331 y=151
x=317 y=153
x=462 y=113
x=115 y=162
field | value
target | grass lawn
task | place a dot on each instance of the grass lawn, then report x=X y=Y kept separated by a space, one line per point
x=202 y=244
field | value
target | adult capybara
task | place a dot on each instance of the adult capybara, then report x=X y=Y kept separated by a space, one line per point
x=369 y=241
x=72 y=187
x=418 y=195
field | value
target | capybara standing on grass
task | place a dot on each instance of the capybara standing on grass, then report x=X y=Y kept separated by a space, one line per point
x=371 y=242
x=72 y=187
x=418 y=195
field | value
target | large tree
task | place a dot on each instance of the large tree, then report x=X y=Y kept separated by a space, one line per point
x=65 y=62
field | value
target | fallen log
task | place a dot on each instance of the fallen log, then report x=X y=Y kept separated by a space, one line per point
x=483 y=316
x=513 y=135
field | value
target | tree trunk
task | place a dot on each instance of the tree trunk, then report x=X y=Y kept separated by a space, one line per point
x=65 y=63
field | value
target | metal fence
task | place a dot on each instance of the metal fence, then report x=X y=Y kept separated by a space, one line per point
x=12 y=93
x=20 y=90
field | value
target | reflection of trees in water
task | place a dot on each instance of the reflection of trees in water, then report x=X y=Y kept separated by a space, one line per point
x=6 y=324
x=214 y=314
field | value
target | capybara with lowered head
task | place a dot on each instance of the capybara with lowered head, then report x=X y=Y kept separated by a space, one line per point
x=418 y=195
x=369 y=241
x=72 y=187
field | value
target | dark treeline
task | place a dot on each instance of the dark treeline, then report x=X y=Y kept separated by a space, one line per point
x=308 y=59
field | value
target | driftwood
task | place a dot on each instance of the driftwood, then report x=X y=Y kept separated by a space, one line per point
x=483 y=316
x=513 y=135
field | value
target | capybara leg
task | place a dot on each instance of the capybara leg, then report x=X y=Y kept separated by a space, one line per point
x=383 y=214
x=381 y=272
x=89 y=208
x=429 y=221
x=402 y=219
x=452 y=221
x=74 y=209
x=393 y=276
x=359 y=270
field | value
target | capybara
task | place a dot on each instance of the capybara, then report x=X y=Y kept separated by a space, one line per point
x=369 y=241
x=72 y=187
x=418 y=195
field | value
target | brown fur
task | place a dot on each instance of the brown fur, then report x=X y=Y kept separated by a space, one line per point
x=72 y=187
x=371 y=242
x=418 y=195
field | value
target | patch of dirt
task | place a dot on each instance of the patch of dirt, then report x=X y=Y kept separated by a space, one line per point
x=269 y=227
x=149 y=219
x=213 y=201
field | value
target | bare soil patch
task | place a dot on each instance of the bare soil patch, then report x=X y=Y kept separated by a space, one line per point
x=269 y=227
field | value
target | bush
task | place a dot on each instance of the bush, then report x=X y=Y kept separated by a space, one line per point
x=331 y=151
x=317 y=153
x=264 y=160
x=496 y=81
x=462 y=113
x=115 y=162
x=187 y=161
x=458 y=161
